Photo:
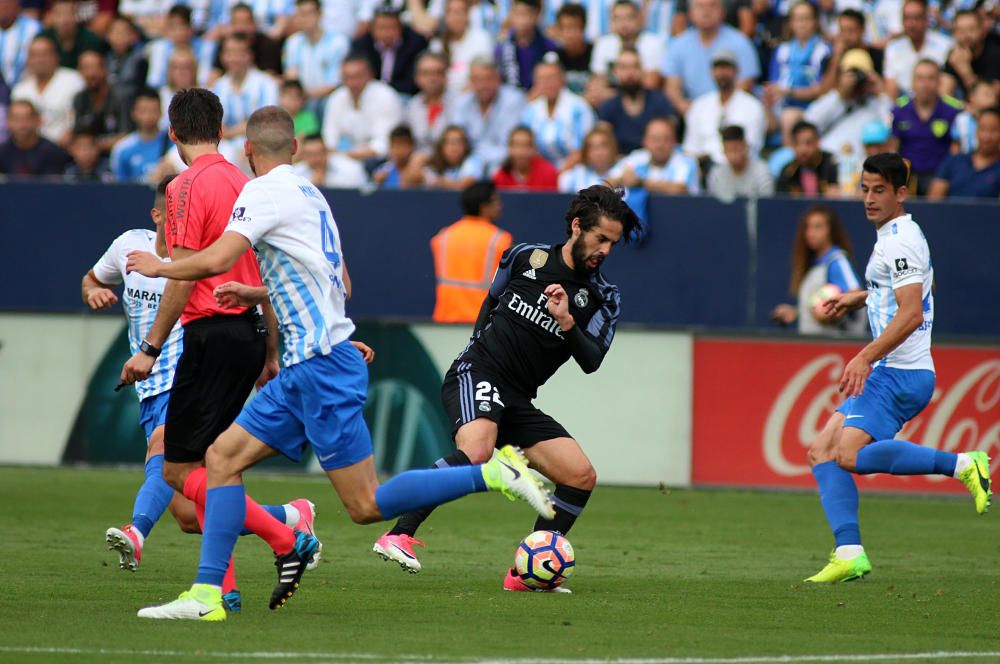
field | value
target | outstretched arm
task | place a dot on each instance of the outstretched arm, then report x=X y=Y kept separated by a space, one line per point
x=215 y=259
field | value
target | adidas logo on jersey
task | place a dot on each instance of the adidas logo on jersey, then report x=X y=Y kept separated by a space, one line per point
x=529 y=273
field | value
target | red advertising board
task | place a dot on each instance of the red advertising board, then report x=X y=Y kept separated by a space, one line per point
x=759 y=404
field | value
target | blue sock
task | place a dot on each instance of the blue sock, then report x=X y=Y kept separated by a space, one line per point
x=427 y=488
x=153 y=497
x=901 y=457
x=839 y=496
x=277 y=511
x=225 y=511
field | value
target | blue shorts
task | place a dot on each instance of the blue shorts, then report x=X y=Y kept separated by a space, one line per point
x=891 y=398
x=318 y=402
x=153 y=412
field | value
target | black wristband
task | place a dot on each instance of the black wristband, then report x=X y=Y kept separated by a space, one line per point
x=149 y=349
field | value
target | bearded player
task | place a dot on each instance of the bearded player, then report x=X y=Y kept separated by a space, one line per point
x=547 y=303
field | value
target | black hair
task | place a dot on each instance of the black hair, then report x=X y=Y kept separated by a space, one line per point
x=195 y=116
x=573 y=10
x=534 y=4
x=241 y=6
x=181 y=12
x=733 y=133
x=476 y=195
x=891 y=166
x=358 y=56
x=293 y=83
x=804 y=125
x=84 y=133
x=992 y=110
x=600 y=200
x=402 y=132
x=922 y=3
x=315 y=2
x=161 y=188
x=968 y=12
x=624 y=3
x=854 y=15
x=313 y=137
x=812 y=8
x=146 y=93
x=388 y=9
x=93 y=51
x=235 y=37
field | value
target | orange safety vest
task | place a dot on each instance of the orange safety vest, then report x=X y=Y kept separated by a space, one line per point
x=466 y=255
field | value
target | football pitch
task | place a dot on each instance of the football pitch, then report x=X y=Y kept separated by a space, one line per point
x=662 y=576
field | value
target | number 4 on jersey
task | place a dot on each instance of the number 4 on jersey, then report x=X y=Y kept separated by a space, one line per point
x=329 y=240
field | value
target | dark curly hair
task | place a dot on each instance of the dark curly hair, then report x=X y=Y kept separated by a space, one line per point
x=601 y=200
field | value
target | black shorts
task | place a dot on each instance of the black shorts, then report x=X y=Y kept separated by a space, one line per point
x=222 y=358
x=469 y=393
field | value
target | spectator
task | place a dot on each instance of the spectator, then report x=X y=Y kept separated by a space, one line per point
x=392 y=50
x=982 y=96
x=727 y=106
x=69 y=37
x=360 y=114
x=813 y=171
x=738 y=14
x=466 y=255
x=922 y=125
x=740 y=174
x=797 y=65
x=16 y=32
x=425 y=112
x=460 y=44
x=857 y=100
x=99 y=110
x=329 y=170
x=126 y=61
x=634 y=106
x=292 y=98
x=525 y=169
x=401 y=170
x=312 y=55
x=453 y=164
x=265 y=50
x=821 y=255
x=558 y=118
x=975 y=175
x=686 y=65
x=488 y=112
x=26 y=152
x=343 y=17
x=182 y=73
x=597 y=158
x=596 y=12
x=850 y=35
x=86 y=166
x=659 y=167
x=136 y=156
x=974 y=57
x=875 y=137
x=50 y=88
x=274 y=18
x=242 y=90
x=626 y=32
x=575 y=51
x=485 y=15
x=524 y=46
x=178 y=35
x=146 y=16
x=916 y=43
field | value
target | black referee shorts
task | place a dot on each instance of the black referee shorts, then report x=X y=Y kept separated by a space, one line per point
x=222 y=358
x=469 y=393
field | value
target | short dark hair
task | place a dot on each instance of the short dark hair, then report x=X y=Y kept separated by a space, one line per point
x=235 y=37
x=271 y=130
x=732 y=133
x=84 y=133
x=195 y=116
x=93 y=51
x=624 y=3
x=242 y=7
x=992 y=110
x=146 y=93
x=358 y=56
x=597 y=201
x=293 y=83
x=804 y=125
x=854 y=15
x=315 y=2
x=24 y=102
x=388 y=10
x=160 y=198
x=891 y=166
x=181 y=12
x=968 y=12
x=799 y=3
x=313 y=137
x=574 y=11
x=922 y=3
x=476 y=195
x=401 y=133
x=534 y=4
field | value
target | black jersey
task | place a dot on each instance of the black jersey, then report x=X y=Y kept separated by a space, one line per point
x=520 y=340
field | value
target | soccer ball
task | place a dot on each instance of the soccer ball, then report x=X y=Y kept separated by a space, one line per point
x=544 y=560
x=821 y=295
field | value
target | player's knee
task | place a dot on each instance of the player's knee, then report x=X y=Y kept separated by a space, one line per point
x=584 y=478
x=174 y=475
x=846 y=458
x=363 y=509
x=220 y=461
x=478 y=453
x=187 y=523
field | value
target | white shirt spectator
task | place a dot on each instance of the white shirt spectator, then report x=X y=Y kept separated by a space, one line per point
x=841 y=125
x=488 y=133
x=267 y=12
x=317 y=64
x=14 y=47
x=341 y=16
x=417 y=116
x=475 y=43
x=342 y=172
x=679 y=169
x=755 y=181
x=901 y=58
x=54 y=103
x=608 y=47
x=143 y=8
x=239 y=100
x=346 y=126
x=707 y=116
x=886 y=19
x=158 y=54
x=561 y=133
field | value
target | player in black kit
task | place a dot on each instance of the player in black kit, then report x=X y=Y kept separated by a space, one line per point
x=547 y=303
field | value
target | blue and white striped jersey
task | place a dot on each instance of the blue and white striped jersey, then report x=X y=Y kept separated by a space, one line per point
x=660 y=19
x=158 y=54
x=901 y=257
x=267 y=12
x=580 y=177
x=238 y=103
x=292 y=229
x=679 y=168
x=563 y=132
x=14 y=47
x=141 y=300
x=316 y=64
x=963 y=132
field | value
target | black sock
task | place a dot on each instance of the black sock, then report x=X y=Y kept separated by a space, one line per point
x=569 y=503
x=409 y=522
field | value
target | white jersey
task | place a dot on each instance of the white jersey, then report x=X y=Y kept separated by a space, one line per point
x=901 y=257
x=292 y=229
x=141 y=300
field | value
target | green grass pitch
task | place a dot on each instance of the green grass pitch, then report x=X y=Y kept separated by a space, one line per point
x=661 y=575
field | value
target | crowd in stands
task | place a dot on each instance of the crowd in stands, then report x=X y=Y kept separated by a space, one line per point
x=725 y=97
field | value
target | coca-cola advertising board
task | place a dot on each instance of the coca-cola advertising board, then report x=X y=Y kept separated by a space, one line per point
x=759 y=404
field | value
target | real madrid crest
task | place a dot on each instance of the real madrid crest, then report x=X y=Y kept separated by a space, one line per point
x=581 y=298
x=538 y=258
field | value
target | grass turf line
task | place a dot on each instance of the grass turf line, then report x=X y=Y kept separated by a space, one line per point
x=660 y=574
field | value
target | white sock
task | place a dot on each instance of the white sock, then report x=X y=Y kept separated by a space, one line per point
x=849 y=551
x=292 y=515
x=964 y=461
